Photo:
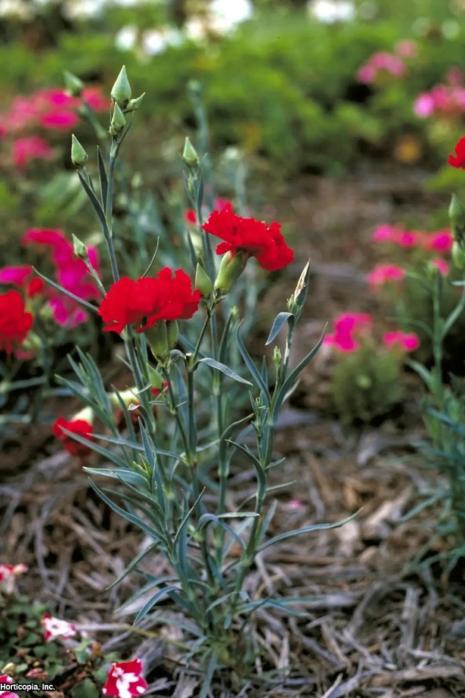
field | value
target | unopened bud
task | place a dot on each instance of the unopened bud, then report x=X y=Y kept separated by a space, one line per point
x=80 y=250
x=277 y=357
x=297 y=300
x=189 y=154
x=78 y=154
x=162 y=337
x=73 y=84
x=134 y=104
x=121 y=90
x=231 y=267
x=86 y=414
x=457 y=218
x=118 y=121
x=458 y=256
x=202 y=281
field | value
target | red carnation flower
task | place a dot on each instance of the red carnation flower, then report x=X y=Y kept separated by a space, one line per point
x=145 y=301
x=124 y=680
x=457 y=159
x=256 y=238
x=15 y=322
x=81 y=427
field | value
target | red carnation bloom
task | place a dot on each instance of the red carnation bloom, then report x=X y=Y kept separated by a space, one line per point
x=255 y=238
x=145 y=301
x=124 y=679
x=81 y=427
x=457 y=159
x=15 y=322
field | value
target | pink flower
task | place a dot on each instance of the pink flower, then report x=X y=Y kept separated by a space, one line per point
x=441 y=241
x=15 y=275
x=424 y=105
x=384 y=273
x=124 y=680
x=71 y=273
x=441 y=265
x=60 y=119
x=381 y=62
x=95 y=99
x=55 y=627
x=385 y=233
x=407 y=341
x=346 y=327
x=29 y=148
x=406 y=48
x=5 y=679
x=408 y=238
x=8 y=574
x=366 y=73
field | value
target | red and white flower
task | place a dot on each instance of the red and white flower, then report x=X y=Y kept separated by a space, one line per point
x=56 y=627
x=8 y=574
x=5 y=679
x=124 y=680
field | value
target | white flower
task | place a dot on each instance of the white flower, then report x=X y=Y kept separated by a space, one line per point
x=227 y=14
x=332 y=10
x=126 y=38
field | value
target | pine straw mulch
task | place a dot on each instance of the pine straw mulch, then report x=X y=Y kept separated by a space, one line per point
x=375 y=624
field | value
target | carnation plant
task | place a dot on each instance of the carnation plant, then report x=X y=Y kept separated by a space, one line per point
x=444 y=407
x=366 y=378
x=170 y=440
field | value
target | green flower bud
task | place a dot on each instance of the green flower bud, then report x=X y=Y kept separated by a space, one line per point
x=458 y=256
x=297 y=300
x=202 y=281
x=173 y=333
x=134 y=104
x=189 y=154
x=277 y=357
x=73 y=84
x=80 y=250
x=156 y=379
x=157 y=337
x=78 y=154
x=118 y=121
x=121 y=90
x=231 y=267
x=457 y=218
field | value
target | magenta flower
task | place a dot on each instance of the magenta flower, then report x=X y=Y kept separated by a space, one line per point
x=15 y=275
x=441 y=241
x=381 y=62
x=346 y=329
x=441 y=265
x=29 y=148
x=407 y=341
x=385 y=273
x=386 y=233
x=71 y=273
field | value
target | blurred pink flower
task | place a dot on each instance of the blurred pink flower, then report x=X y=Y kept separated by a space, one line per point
x=441 y=265
x=382 y=61
x=60 y=119
x=346 y=327
x=29 y=148
x=407 y=341
x=441 y=241
x=386 y=233
x=8 y=574
x=71 y=273
x=384 y=273
x=406 y=48
x=95 y=99
x=15 y=275
x=4 y=678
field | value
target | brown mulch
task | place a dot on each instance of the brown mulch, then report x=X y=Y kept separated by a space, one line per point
x=378 y=623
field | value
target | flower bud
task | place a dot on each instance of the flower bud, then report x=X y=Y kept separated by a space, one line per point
x=86 y=414
x=118 y=121
x=297 y=300
x=134 y=104
x=202 y=281
x=128 y=397
x=80 y=250
x=78 y=154
x=457 y=218
x=173 y=333
x=73 y=84
x=458 y=256
x=121 y=90
x=231 y=267
x=156 y=379
x=189 y=154
x=277 y=357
